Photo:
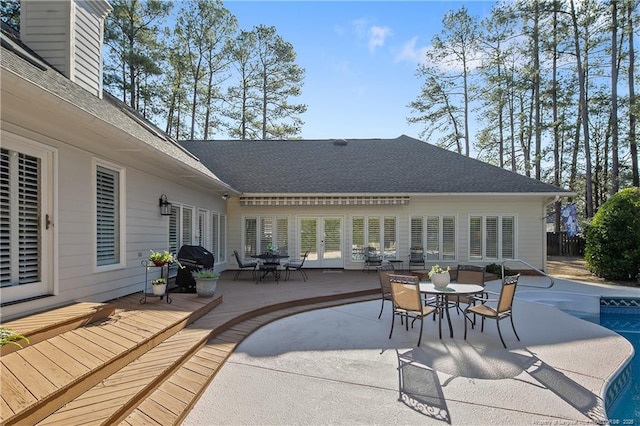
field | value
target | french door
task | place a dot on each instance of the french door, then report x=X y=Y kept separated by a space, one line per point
x=26 y=219
x=322 y=237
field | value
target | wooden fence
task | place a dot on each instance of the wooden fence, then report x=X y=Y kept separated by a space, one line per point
x=559 y=244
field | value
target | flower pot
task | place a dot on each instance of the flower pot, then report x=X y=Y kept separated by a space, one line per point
x=206 y=287
x=159 y=289
x=441 y=280
x=159 y=262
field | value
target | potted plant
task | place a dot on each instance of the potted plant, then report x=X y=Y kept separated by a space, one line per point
x=206 y=282
x=159 y=286
x=439 y=277
x=160 y=258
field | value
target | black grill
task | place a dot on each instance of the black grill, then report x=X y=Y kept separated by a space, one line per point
x=192 y=258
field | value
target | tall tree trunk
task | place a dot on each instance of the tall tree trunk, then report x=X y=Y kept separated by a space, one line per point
x=615 y=178
x=536 y=90
x=556 y=122
x=585 y=116
x=633 y=146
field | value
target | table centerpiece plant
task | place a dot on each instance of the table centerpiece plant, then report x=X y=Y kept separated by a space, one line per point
x=439 y=277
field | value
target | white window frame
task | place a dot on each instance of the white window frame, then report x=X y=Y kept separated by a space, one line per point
x=122 y=219
x=425 y=232
x=219 y=237
x=356 y=254
x=274 y=236
x=180 y=234
x=483 y=237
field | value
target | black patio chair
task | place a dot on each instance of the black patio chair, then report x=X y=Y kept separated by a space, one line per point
x=245 y=265
x=296 y=265
x=416 y=257
x=372 y=259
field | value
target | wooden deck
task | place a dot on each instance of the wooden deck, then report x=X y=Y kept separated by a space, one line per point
x=131 y=363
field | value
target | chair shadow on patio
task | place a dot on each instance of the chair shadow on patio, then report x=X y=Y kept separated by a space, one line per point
x=574 y=394
x=419 y=387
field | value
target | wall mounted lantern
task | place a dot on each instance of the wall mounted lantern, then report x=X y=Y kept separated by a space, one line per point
x=165 y=206
x=226 y=196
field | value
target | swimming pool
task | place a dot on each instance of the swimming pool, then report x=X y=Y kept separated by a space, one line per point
x=622 y=315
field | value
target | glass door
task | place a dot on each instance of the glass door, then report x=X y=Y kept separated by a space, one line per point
x=322 y=237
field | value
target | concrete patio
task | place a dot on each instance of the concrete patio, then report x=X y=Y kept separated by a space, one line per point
x=338 y=366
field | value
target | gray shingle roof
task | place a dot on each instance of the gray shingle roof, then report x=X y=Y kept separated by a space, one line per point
x=367 y=166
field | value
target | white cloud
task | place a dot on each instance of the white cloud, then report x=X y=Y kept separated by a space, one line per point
x=411 y=53
x=377 y=37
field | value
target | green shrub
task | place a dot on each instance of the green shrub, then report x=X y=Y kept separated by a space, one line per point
x=612 y=248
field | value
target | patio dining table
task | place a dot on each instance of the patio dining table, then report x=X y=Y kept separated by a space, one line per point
x=269 y=264
x=442 y=304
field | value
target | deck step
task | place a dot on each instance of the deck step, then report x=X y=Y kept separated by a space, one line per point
x=177 y=395
x=43 y=326
x=69 y=364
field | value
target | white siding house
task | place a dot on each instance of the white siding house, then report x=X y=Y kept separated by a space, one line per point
x=81 y=176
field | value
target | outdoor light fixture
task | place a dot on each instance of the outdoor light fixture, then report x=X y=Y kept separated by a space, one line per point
x=165 y=206
x=226 y=196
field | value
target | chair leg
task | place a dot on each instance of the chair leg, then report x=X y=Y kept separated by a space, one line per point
x=393 y=317
x=421 y=324
x=500 y=334
x=514 y=328
x=381 y=308
x=236 y=275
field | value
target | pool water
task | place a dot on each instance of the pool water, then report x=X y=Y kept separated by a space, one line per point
x=625 y=409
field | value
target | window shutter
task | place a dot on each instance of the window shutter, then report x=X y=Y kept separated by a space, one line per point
x=107 y=201
x=250 y=236
x=357 y=235
x=491 y=242
x=433 y=238
x=448 y=238
x=374 y=233
x=215 y=235
x=174 y=232
x=282 y=234
x=187 y=226
x=475 y=238
x=508 y=237
x=416 y=232
x=390 y=246
x=223 y=237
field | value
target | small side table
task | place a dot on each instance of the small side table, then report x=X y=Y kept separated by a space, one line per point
x=395 y=264
x=148 y=265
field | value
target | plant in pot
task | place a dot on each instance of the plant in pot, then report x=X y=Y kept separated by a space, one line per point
x=9 y=337
x=160 y=258
x=206 y=282
x=159 y=286
x=439 y=277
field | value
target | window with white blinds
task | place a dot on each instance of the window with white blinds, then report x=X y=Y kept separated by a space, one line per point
x=215 y=236
x=357 y=238
x=20 y=246
x=437 y=237
x=492 y=237
x=107 y=216
x=180 y=227
x=374 y=232
x=260 y=231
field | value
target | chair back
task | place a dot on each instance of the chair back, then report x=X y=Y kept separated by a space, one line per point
x=304 y=257
x=240 y=262
x=383 y=275
x=508 y=292
x=405 y=292
x=416 y=255
x=471 y=274
x=371 y=255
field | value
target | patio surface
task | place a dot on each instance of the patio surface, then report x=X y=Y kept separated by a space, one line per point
x=338 y=366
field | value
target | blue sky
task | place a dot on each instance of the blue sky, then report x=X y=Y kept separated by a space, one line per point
x=360 y=58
